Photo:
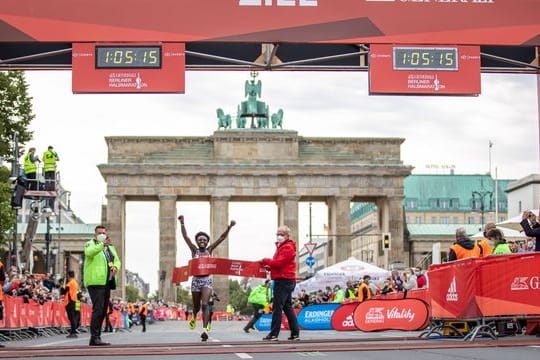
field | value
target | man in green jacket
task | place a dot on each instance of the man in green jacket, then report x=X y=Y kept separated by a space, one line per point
x=101 y=265
x=259 y=298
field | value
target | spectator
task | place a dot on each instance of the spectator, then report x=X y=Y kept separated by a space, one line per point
x=421 y=279
x=500 y=247
x=364 y=290
x=463 y=247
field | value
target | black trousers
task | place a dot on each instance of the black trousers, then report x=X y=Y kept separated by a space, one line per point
x=258 y=310
x=73 y=316
x=282 y=303
x=143 y=322
x=100 y=299
x=31 y=181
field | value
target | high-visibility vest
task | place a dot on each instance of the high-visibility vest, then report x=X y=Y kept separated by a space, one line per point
x=49 y=161
x=143 y=310
x=462 y=253
x=30 y=167
x=364 y=292
x=485 y=248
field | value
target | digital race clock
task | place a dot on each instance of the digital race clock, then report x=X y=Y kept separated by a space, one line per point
x=128 y=57
x=425 y=58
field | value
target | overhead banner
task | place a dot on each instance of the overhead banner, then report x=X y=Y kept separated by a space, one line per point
x=465 y=22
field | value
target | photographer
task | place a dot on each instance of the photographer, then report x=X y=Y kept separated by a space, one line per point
x=531 y=227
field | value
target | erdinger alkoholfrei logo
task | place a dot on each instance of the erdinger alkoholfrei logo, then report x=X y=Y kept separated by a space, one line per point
x=451 y=294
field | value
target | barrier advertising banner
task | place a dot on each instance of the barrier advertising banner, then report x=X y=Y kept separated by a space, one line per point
x=453 y=287
x=510 y=284
x=317 y=317
x=342 y=319
x=466 y=22
x=403 y=314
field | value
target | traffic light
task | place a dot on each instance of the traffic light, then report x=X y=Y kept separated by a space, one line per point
x=386 y=241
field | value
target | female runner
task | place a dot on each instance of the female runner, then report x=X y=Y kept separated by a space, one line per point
x=201 y=286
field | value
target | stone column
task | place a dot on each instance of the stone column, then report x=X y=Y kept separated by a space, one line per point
x=339 y=219
x=167 y=246
x=116 y=228
x=288 y=215
x=395 y=227
x=384 y=226
x=219 y=220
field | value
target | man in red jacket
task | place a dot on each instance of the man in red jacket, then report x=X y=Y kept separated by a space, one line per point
x=283 y=272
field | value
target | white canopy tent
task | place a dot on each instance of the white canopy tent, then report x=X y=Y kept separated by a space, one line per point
x=508 y=234
x=514 y=222
x=350 y=269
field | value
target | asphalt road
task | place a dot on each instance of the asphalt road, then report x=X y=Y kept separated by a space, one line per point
x=173 y=340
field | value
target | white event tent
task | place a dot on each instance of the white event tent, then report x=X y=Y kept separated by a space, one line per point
x=350 y=269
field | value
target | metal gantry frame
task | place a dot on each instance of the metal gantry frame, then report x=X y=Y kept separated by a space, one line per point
x=268 y=60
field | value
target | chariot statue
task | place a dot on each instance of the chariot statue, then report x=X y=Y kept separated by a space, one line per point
x=254 y=110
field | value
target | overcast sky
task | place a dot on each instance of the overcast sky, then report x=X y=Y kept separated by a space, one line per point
x=442 y=131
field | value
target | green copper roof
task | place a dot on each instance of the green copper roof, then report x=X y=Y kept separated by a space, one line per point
x=440 y=229
x=439 y=193
x=428 y=192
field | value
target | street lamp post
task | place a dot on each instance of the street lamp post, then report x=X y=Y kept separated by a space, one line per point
x=47 y=242
x=478 y=198
x=60 y=257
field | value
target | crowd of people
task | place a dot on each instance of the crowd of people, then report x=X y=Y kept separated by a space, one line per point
x=365 y=288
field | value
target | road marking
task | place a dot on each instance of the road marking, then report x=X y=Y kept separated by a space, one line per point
x=243 y=356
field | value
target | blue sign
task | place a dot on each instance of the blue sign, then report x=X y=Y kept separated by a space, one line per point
x=317 y=317
x=310 y=261
x=264 y=323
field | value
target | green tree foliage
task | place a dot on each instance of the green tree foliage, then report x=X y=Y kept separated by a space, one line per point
x=132 y=294
x=15 y=111
x=7 y=215
x=15 y=116
x=183 y=296
x=238 y=297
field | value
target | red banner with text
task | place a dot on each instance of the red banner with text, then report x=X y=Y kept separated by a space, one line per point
x=218 y=266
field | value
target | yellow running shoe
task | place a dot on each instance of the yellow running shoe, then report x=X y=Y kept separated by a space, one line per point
x=192 y=323
x=209 y=327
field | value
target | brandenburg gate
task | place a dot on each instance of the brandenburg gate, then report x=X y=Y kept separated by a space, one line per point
x=254 y=165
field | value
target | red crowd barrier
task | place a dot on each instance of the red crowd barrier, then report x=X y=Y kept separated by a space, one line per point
x=505 y=285
x=18 y=315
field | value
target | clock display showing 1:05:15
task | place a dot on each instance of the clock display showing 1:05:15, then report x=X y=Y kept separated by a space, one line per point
x=417 y=58
x=128 y=57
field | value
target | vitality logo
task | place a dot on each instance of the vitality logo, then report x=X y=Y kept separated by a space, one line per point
x=451 y=294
